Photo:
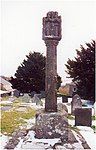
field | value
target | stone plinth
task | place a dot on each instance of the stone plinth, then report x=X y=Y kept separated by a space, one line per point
x=52 y=125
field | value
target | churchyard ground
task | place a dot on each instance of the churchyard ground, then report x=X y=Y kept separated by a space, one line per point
x=19 y=115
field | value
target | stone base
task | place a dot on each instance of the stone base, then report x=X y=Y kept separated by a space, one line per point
x=51 y=125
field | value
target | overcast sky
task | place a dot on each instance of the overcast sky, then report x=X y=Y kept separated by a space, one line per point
x=21 y=24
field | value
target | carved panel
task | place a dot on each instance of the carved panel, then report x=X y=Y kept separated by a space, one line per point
x=52 y=26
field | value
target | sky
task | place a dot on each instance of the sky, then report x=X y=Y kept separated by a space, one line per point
x=21 y=30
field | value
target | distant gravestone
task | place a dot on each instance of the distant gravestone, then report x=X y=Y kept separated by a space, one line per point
x=76 y=103
x=32 y=94
x=37 y=99
x=83 y=117
x=64 y=99
x=42 y=94
x=16 y=93
x=26 y=98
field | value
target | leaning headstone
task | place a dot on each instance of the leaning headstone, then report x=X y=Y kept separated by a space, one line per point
x=76 y=103
x=64 y=99
x=83 y=117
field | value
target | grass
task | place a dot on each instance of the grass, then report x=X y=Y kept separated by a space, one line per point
x=5 y=98
x=70 y=117
x=12 y=120
x=94 y=128
x=94 y=117
x=15 y=104
x=8 y=104
x=74 y=128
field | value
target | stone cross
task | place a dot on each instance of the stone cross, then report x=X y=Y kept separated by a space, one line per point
x=51 y=36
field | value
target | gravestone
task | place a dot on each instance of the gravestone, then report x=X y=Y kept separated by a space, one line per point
x=37 y=99
x=83 y=117
x=26 y=98
x=16 y=93
x=42 y=94
x=76 y=103
x=32 y=94
x=64 y=99
x=51 y=122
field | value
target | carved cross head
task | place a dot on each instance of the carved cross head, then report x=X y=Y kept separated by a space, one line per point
x=52 y=26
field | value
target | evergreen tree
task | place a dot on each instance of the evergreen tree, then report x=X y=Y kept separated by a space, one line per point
x=30 y=75
x=82 y=71
x=59 y=81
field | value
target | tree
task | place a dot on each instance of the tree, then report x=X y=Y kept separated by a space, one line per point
x=59 y=81
x=30 y=75
x=82 y=71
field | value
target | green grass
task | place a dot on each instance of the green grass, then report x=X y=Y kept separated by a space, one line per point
x=94 y=117
x=5 y=98
x=12 y=120
x=94 y=128
x=74 y=128
x=8 y=104
x=15 y=103
x=70 y=117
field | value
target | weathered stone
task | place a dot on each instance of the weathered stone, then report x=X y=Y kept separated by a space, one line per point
x=37 y=99
x=61 y=107
x=12 y=143
x=51 y=36
x=16 y=93
x=76 y=103
x=64 y=99
x=83 y=117
x=26 y=98
x=71 y=137
x=51 y=125
x=22 y=133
